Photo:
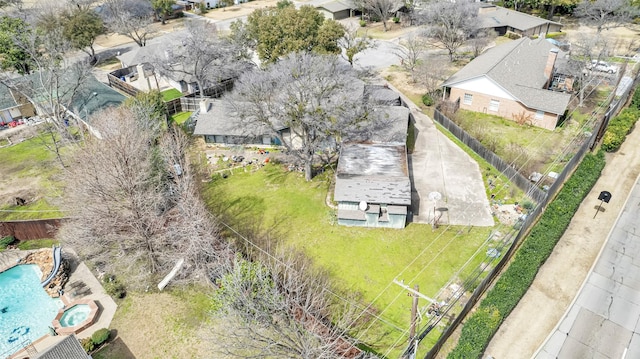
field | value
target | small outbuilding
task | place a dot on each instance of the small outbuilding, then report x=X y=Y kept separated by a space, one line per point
x=337 y=9
x=372 y=185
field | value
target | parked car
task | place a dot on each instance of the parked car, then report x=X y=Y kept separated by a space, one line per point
x=602 y=67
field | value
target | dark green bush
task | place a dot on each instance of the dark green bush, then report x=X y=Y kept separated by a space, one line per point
x=6 y=241
x=363 y=23
x=100 y=336
x=513 y=284
x=635 y=100
x=114 y=287
x=396 y=19
x=427 y=100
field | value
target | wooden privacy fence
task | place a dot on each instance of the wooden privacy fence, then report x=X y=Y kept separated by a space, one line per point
x=31 y=229
x=530 y=188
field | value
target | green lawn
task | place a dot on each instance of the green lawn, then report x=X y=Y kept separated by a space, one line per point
x=181 y=117
x=170 y=94
x=29 y=168
x=363 y=260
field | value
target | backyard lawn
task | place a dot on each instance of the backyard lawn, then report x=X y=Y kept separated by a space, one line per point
x=362 y=260
x=28 y=171
x=170 y=94
x=180 y=117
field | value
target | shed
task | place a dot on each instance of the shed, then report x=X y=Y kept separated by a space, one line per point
x=372 y=185
x=337 y=9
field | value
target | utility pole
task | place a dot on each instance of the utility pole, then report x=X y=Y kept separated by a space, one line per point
x=410 y=353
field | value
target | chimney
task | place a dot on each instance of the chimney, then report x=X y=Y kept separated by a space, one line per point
x=548 y=68
x=204 y=106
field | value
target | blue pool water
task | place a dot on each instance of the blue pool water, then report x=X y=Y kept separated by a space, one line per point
x=26 y=310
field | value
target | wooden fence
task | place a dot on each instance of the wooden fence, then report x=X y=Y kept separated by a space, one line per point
x=31 y=229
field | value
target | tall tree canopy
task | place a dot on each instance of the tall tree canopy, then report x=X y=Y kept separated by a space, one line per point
x=81 y=27
x=15 y=37
x=276 y=32
x=317 y=97
x=381 y=9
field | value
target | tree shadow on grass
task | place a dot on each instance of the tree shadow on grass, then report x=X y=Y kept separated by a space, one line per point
x=114 y=349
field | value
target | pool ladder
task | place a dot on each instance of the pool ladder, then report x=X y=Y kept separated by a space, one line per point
x=26 y=345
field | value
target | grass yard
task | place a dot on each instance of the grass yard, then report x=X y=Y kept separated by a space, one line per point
x=181 y=117
x=363 y=260
x=29 y=171
x=170 y=324
x=170 y=94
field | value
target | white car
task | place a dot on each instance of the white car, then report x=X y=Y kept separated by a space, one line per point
x=602 y=67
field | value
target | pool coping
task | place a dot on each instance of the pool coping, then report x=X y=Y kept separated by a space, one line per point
x=80 y=327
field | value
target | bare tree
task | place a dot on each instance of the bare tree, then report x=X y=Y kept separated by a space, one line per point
x=352 y=43
x=381 y=9
x=605 y=14
x=134 y=205
x=481 y=40
x=205 y=57
x=450 y=24
x=308 y=101
x=431 y=72
x=410 y=53
x=585 y=49
x=130 y=18
x=284 y=309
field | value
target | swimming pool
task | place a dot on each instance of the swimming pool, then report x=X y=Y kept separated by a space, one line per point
x=26 y=310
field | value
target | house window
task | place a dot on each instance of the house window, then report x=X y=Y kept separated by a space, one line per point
x=494 y=105
x=468 y=98
x=539 y=115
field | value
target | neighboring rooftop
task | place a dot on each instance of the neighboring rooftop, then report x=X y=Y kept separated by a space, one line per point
x=373 y=172
x=67 y=348
x=518 y=67
x=492 y=16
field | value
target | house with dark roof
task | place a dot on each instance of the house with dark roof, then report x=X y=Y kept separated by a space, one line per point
x=372 y=185
x=503 y=20
x=512 y=81
x=67 y=348
x=337 y=9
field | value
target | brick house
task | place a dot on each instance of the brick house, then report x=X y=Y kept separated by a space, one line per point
x=512 y=81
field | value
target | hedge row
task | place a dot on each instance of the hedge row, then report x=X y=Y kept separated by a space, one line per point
x=620 y=126
x=618 y=129
x=515 y=281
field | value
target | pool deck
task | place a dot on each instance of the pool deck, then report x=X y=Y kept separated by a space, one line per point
x=81 y=274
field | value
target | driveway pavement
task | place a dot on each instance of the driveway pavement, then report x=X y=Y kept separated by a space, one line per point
x=603 y=321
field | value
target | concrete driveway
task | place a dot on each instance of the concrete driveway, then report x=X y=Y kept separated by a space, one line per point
x=439 y=165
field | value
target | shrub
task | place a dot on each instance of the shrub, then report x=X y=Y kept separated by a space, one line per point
x=87 y=344
x=554 y=35
x=100 y=336
x=114 y=287
x=427 y=100
x=635 y=100
x=6 y=241
x=618 y=129
x=516 y=279
x=363 y=23
x=396 y=19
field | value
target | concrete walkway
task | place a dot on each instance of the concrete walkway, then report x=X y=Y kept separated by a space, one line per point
x=604 y=319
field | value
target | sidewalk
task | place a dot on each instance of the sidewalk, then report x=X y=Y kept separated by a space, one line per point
x=561 y=277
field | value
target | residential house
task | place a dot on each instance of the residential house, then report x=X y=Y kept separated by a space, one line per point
x=337 y=9
x=372 y=185
x=219 y=124
x=512 y=81
x=67 y=348
x=504 y=20
x=14 y=105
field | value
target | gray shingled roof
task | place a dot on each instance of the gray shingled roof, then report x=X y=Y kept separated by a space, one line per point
x=221 y=120
x=518 y=68
x=337 y=5
x=515 y=19
x=6 y=99
x=375 y=173
x=67 y=348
